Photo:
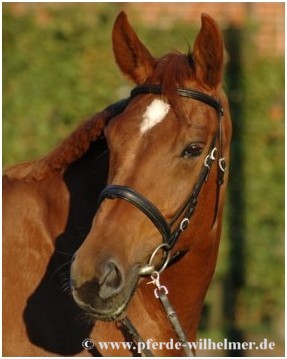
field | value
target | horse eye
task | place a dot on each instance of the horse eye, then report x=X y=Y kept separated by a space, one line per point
x=192 y=150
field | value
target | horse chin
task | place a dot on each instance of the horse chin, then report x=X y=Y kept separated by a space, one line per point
x=115 y=312
x=115 y=315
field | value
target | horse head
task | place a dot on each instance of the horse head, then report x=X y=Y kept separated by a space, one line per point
x=168 y=151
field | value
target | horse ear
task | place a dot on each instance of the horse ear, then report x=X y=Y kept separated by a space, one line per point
x=208 y=53
x=132 y=56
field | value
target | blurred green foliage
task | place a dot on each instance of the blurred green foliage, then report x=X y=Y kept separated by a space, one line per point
x=59 y=69
x=264 y=188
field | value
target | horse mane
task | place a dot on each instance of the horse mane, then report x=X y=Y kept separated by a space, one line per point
x=71 y=149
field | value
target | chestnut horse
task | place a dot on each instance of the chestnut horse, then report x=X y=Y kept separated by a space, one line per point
x=125 y=183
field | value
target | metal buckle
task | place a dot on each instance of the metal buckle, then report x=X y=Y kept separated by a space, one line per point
x=183 y=224
x=213 y=154
x=222 y=164
x=211 y=157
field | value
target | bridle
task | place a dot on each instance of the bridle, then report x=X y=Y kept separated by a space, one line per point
x=170 y=236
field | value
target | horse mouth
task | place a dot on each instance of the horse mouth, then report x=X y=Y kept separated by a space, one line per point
x=105 y=314
x=113 y=314
x=114 y=308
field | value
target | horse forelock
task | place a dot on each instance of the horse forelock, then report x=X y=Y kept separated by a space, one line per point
x=171 y=71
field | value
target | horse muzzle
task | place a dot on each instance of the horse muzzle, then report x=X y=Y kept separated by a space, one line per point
x=107 y=294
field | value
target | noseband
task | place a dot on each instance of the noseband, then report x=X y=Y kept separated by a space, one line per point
x=170 y=236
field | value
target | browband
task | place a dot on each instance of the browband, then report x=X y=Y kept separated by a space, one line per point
x=196 y=95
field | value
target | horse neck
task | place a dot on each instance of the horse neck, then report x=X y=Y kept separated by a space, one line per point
x=189 y=279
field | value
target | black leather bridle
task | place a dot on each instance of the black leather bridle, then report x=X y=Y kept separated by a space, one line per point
x=170 y=236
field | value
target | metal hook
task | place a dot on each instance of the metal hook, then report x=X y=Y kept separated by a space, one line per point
x=160 y=289
x=154 y=279
x=213 y=154
x=183 y=224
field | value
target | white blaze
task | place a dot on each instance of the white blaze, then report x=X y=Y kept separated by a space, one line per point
x=154 y=114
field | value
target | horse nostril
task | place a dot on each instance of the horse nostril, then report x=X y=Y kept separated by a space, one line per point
x=112 y=280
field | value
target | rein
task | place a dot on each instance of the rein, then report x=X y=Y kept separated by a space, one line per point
x=170 y=235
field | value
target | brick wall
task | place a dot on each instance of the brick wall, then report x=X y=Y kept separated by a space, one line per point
x=267 y=18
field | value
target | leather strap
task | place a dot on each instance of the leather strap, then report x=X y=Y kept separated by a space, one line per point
x=196 y=95
x=134 y=197
x=173 y=318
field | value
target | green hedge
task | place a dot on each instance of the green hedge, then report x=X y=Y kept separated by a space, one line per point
x=59 y=69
